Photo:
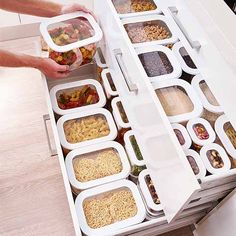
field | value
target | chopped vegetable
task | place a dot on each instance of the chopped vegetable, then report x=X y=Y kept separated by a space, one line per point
x=136 y=148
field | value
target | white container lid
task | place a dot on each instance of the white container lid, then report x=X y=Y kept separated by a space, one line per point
x=79 y=115
x=109 y=229
x=84 y=20
x=117 y=113
x=180 y=51
x=146 y=192
x=197 y=80
x=187 y=142
x=196 y=157
x=91 y=149
x=165 y=23
x=187 y=88
x=130 y=150
x=223 y=155
x=220 y=124
x=175 y=74
x=70 y=87
x=204 y=124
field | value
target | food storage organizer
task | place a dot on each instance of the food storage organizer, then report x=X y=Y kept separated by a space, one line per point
x=130 y=8
x=196 y=163
x=179 y=100
x=201 y=131
x=159 y=62
x=140 y=30
x=182 y=135
x=184 y=59
x=96 y=165
x=80 y=129
x=227 y=135
x=71 y=38
x=215 y=159
x=77 y=96
x=119 y=113
x=105 y=209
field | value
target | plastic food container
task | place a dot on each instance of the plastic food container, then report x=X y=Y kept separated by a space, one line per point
x=77 y=96
x=179 y=100
x=215 y=159
x=97 y=204
x=71 y=38
x=201 y=131
x=80 y=129
x=159 y=63
x=227 y=135
x=205 y=94
x=182 y=135
x=141 y=31
x=96 y=165
x=119 y=113
x=196 y=163
x=184 y=59
x=130 y=8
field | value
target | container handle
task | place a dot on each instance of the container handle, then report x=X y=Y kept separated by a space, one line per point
x=195 y=44
x=52 y=151
x=131 y=86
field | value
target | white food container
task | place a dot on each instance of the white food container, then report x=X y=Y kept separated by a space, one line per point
x=99 y=62
x=223 y=155
x=205 y=125
x=228 y=140
x=198 y=161
x=187 y=91
x=163 y=21
x=81 y=115
x=69 y=88
x=180 y=51
x=176 y=72
x=117 y=114
x=79 y=153
x=97 y=192
x=211 y=106
x=186 y=138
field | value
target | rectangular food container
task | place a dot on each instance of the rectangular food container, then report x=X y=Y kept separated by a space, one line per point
x=88 y=127
x=77 y=96
x=159 y=62
x=179 y=100
x=120 y=189
x=141 y=33
x=94 y=160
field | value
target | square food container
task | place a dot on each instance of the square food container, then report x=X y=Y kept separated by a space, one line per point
x=182 y=136
x=178 y=99
x=196 y=163
x=95 y=159
x=81 y=129
x=159 y=63
x=100 y=196
x=77 y=96
x=215 y=159
x=141 y=33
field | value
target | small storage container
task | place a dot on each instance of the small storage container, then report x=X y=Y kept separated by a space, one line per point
x=105 y=209
x=215 y=159
x=81 y=129
x=178 y=99
x=159 y=62
x=77 y=96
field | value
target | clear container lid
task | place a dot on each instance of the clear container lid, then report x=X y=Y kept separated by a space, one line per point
x=77 y=96
x=178 y=99
x=74 y=30
x=105 y=209
x=80 y=129
x=96 y=165
x=201 y=131
x=159 y=62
